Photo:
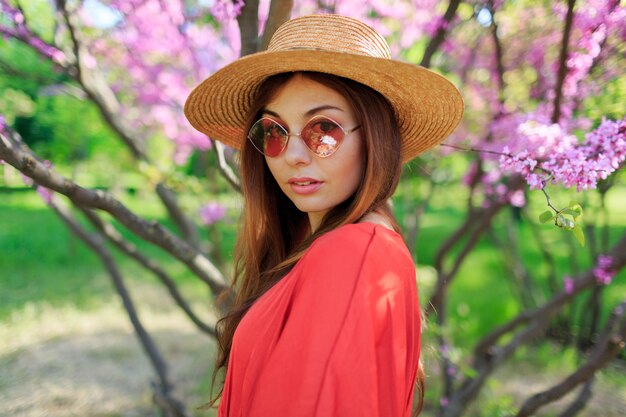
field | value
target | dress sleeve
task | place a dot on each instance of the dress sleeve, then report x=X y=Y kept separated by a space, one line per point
x=349 y=343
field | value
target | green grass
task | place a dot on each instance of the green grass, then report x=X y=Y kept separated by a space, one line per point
x=41 y=261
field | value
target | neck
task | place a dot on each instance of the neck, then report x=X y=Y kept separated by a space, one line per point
x=315 y=219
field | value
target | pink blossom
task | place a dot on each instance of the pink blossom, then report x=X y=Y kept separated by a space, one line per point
x=568 y=284
x=547 y=153
x=604 y=271
x=211 y=213
x=28 y=181
x=225 y=10
x=518 y=199
x=46 y=194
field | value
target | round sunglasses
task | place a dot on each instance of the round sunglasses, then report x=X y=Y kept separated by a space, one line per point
x=321 y=134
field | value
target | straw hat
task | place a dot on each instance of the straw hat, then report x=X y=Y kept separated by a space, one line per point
x=428 y=106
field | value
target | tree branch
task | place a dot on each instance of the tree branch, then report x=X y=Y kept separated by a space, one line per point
x=569 y=20
x=108 y=231
x=487 y=355
x=249 y=27
x=280 y=10
x=183 y=222
x=475 y=225
x=440 y=35
x=225 y=169
x=98 y=91
x=498 y=52
x=610 y=344
x=581 y=400
x=153 y=232
x=164 y=389
x=548 y=309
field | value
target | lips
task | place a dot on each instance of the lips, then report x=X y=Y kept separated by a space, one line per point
x=304 y=185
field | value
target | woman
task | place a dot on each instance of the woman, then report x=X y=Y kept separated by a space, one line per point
x=326 y=318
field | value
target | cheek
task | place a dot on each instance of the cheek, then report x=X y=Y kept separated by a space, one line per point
x=352 y=168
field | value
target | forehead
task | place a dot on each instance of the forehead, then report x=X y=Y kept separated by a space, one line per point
x=301 y=93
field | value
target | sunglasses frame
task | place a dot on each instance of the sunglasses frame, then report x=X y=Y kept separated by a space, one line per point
x=288 y=135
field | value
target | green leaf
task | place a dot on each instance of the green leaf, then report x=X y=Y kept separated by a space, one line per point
x=546 y=216
x=579 y=234
x=563 y=222
x=576 y=208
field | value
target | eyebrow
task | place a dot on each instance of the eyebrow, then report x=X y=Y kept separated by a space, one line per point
x=309 y=113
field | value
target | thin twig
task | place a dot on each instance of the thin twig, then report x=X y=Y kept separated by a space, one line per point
x=470 y=149
x=543 y=190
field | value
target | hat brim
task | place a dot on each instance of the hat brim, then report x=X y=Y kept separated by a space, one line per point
x=428 y=106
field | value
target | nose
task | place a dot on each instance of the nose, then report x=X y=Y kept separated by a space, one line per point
x=297 y=153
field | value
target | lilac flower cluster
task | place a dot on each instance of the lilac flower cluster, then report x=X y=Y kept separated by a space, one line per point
x=604 y=271
x=211 y=213
x=549 y=154
x=153 y=77
x=594 y=23
x=226 y=10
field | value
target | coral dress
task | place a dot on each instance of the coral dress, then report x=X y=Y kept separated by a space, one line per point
x=338 y=336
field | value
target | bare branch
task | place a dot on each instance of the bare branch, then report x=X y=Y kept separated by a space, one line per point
x=108 y=231
x=223 y=166
x=487 y=355
x=437 y=40
x=249 y=27
x=610 y=344
x=184 y=223
x=412 y=221
x=153 y=232
x=280 y=10
x=581 y=400
x=475 y=225
x=569 y=20
x=547 y=310
x=164 y=388
x=498 y=52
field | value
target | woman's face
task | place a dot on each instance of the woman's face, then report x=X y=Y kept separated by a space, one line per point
x=314 y=184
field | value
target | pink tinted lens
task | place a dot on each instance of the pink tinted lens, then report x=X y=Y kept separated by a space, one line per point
x=268 y=137
x=323 y=136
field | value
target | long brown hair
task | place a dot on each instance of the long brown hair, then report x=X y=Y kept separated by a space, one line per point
x=274 y=233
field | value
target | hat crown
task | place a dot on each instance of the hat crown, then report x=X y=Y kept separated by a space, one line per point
x=329 y=33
